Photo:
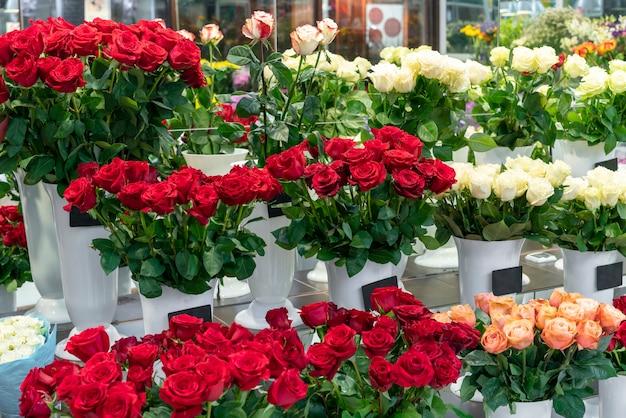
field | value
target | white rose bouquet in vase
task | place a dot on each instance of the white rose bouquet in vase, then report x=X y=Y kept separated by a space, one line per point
x=490 y=210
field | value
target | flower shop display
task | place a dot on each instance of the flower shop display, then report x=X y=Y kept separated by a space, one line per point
x=543 y=350
x=358 y=202
x=482 y=37
x=179 y=232
x=14 y=264
x=26 y=342
x=490 y=210
x=611 y=391
x=386 y=362
x=588 y=223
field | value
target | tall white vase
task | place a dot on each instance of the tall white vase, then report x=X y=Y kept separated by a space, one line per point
x=580 y=156
x=538 y=409
x=478 y=260
x=346 y=292
x=498 y=155
x=90 y=295
x=43 y=252
x=579 y=272
x=213 y=165
x=271 y=281
x=8 y=300
x=156 y=311
x=612 y=397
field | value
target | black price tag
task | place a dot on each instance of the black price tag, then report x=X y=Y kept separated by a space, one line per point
x=78 y=219
x=610 y=164
x=609 y=276
x=506 y=281
x=202 y=312
x=272 y=207
x=369 y=288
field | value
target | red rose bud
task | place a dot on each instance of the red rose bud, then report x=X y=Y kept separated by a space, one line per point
x=278 y=318
x=315 y=314
x=287 y=389
x=80 y=193
x=88 y=343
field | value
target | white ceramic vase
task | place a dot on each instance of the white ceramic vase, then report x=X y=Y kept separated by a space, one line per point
x=271 y=281
x=156 y=311
x=8 y=300
x=43 y=252
x=478 y=260
x=612 y=397
x=579 y=272
x=539 y=409
x=498 y=155
x=346 y=292
x=580 y=156
x=90 y=294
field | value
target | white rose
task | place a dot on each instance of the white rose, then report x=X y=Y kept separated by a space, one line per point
x=405 y=80
x=557 y=172
x=505 y=186
x=382 y=76
x=348 y=72
x=491 y=170
x=617 y=81
x=572 y=187
x=480 y=185
x=545 y=58
x=609 y=194
x=455 y=75
x=462 y=175
x=9 y=356
x=523 y=60
x=600 y=176
x=330 y=63
x=25 y=351
x=499 y=56
x=4 y=346
x=478 y=73
x=615 y=65
x=594 y=83
x=412 y=61
x=539 y=190
x=592 y=197
x=431 y=64
x=575 y=66
x=387 y=52
x=363 y=65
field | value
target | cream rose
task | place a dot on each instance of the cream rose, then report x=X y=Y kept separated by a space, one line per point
x=557 y=172
x=478 y=73
x=405 y=80
x=499 y=56
x=211 y=34
x=363 y=66
x=545 y=58
x=539 y=190
x=575 y=66
x=431 y=64
x=329 y=30
x=480 y=185
x=615 y=65
x=348 y=71
x=412 y=61
x=455 y=75
x=617 y=81
x=573 y=186
x=592 y=197
x=594 y=83
x=523 y=60
x=505 y=185
x=382 y=76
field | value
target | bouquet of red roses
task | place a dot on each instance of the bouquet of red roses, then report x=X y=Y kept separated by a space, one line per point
x=357 y=201
x=180 y=231
x=14 y=262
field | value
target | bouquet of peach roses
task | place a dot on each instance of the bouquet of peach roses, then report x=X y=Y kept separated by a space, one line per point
x=543 y=350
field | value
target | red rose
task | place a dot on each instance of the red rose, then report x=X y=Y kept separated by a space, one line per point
x=105 y=28
x=409 y=143
x=56 y=44
x=460 y=336
x=125 y=47
x=336 y=315
x=5 y=94
x=86 y=398
x=28 y=40
x=33 y=403
x=447 y=370
x=167 y=38
x=122 y=401
x=408 y=183
x=140 y=377
x=23 y=70
x=80 y=193
x=142 y=355
x=160 y=197
x=185 y=392
x=131 y=195
x=45 y=65
x=289 y=350
x=83 y=41
x=183 y=327
x=152 y=56
x=314 y=314
x=442 y=178
x=409 y=313
x=337 y=146
x=620 y=334
x=384 y=299
x=341 y=340
x=377 y=342
x=278 y=318
x=287 y=389
x=67 y=76
x=427 y=329
x=248 y=368
x=382 y=374
x=110 y=177
x=356 y=155
x=367 y=175
x=326 y=182
x=266 y=186
x=288 y=165
x=194 y=76
x=376 y=148
x=387 y=323
x=105 y=370
x=185 y=180
x=88 y=342
x=216 y=373
x=238 y=334
x=431 y=348
x=87 y=169
x=235 y=189
x=414 y=369
x=175 y=363
x=135 y=171
x=360 y=320
x=205 y=201
x=6 y=53
x=620 y=303
x=184 y=54
x=66 y=388
x=396 y=159
x=324 y=360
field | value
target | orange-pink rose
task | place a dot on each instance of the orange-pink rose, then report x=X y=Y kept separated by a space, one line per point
x=588 y=334
x=557 y=297
x=519 y=333
x=590 y=307
x=493 y=340
x=499 y=320
x=559 y=333
x=525 y=311
x=463 y=314
x=571 y=311
x=442 y=317
x=538 y=303
x=545 y=313
x=482 y=301
x=501 y=304
x=610 y=317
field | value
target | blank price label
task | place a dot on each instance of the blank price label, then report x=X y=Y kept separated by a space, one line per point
x=506 y=281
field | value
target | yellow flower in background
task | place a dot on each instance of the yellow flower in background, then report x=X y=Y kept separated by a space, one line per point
x=470 y=30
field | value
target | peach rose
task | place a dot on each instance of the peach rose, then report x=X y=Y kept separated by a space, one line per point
x=525 y=311
x=610 y=318
x=588 y=334
x=557 y=297
x=545 y=313
x=538 y=303
x=493 y=340
x=501 y=304
x=590 y=307
x=572 y=297
x=463 y=314
x=571 y=311
x=559 y=333
x=482 y=301
x=442 y=317
x=499 y=320
x=519 y=333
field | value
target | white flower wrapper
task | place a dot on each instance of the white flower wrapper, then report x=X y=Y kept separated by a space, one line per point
x=13 y=373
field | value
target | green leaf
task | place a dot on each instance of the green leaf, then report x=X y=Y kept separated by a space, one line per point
x=151 y=268
x=428 y=132
x=187 y=264
x=361 y=239
x=481 y=142
x=212 y=260
x=497 y=232
x=569 y=406
x=149 y=287
x=39 y=166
